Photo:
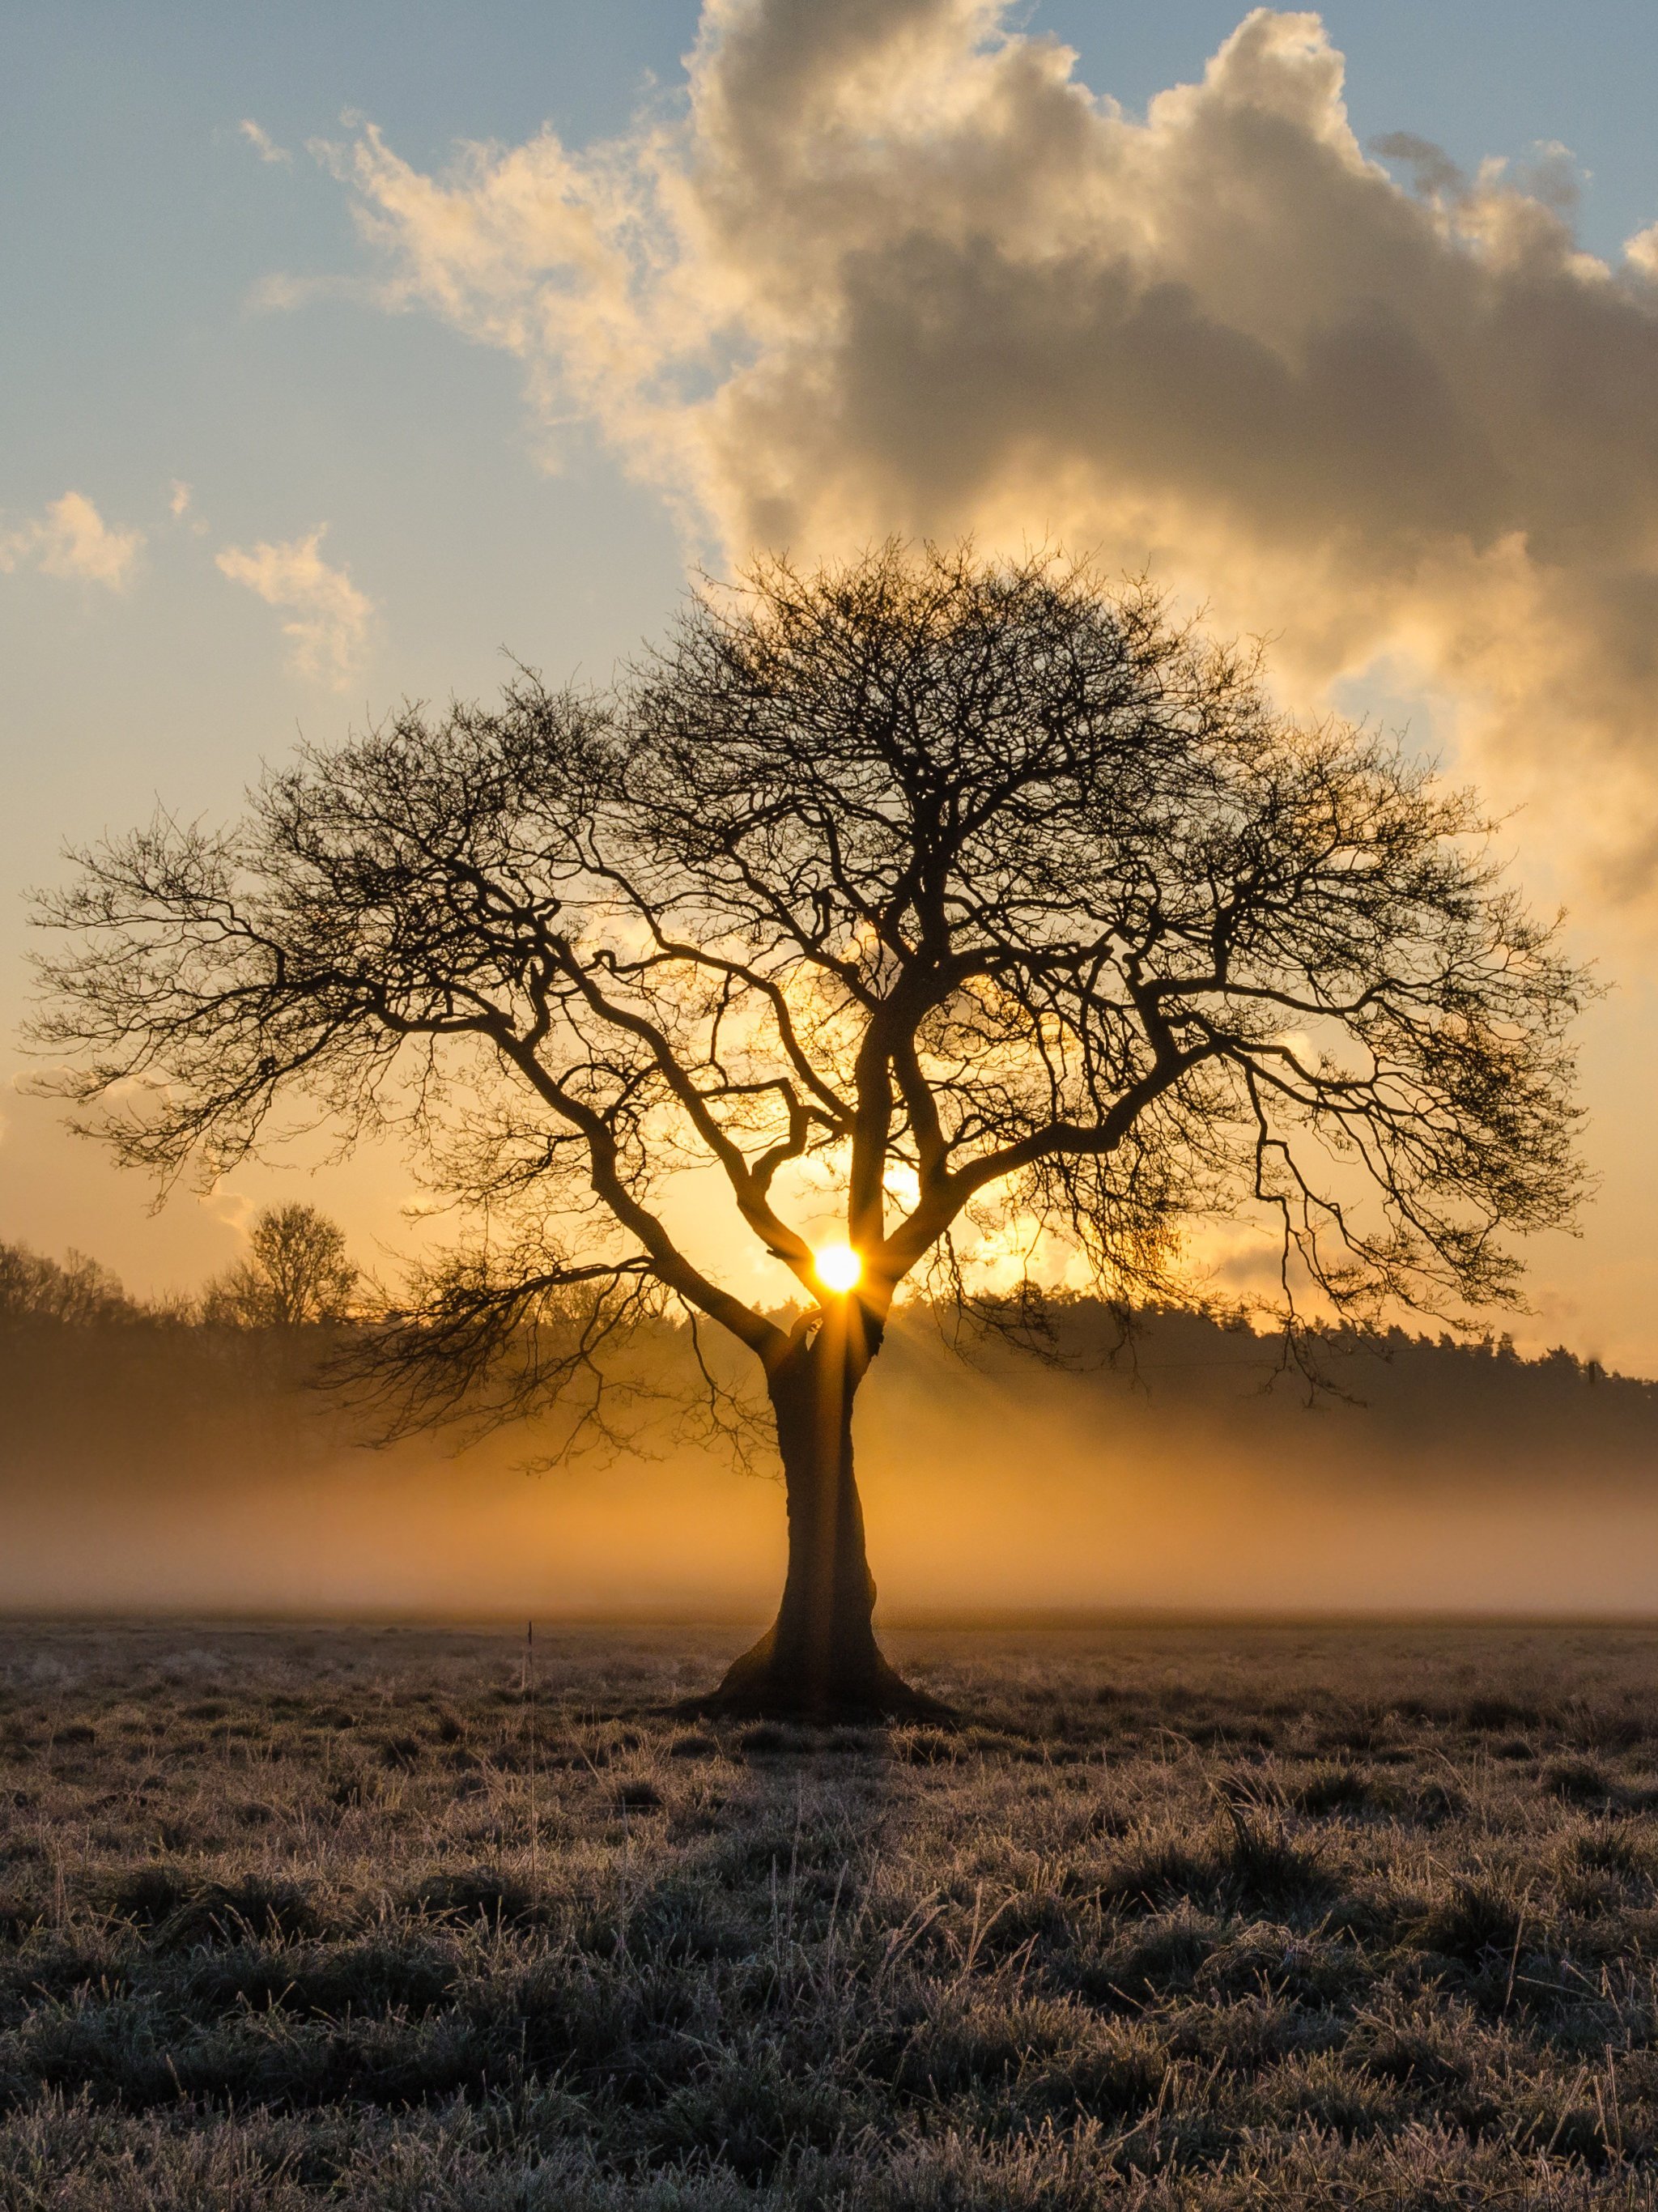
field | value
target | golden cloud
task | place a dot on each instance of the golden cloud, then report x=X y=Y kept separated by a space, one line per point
x=896 y=269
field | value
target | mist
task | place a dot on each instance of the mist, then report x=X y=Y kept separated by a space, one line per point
x=161 y=1470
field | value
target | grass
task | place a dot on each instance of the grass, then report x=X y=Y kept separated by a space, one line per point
x=1198 y=1918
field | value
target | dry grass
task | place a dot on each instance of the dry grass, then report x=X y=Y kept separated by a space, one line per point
x=1197 y=1918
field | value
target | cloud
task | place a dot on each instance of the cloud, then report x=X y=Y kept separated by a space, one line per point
x=181 y=506
x=280 y=291
x=328 y=634
x=896 y=269
x=262 y=143
x=71 y=539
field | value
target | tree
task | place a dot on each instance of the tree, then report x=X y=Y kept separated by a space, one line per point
x=973 y=896
x=77 y=1293
x=295 y=1276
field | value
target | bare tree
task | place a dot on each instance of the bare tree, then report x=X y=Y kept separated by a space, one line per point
x=963 y=896
x=295 y=1275
x=77 y=1294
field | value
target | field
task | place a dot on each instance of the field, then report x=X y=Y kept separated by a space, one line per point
x=1197 y=1917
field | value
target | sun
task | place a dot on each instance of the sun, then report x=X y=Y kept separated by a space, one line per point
x=838 y=1267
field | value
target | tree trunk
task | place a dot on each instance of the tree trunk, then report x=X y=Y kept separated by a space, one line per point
x=819 y=1659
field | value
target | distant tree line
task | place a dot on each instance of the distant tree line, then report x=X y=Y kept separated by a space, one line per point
x=295 y=1303
x=112 y=1405
x=1408 y=1399
x=295 y=1276
x=102 y=1386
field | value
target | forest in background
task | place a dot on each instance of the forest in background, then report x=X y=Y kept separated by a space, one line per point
x=181 y=1456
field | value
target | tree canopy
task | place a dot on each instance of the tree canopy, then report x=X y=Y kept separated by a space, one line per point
x=296 y=1274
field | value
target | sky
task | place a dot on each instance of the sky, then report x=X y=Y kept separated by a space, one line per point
x=350 y=346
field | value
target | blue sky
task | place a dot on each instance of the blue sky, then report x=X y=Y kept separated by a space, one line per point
x=142 y=222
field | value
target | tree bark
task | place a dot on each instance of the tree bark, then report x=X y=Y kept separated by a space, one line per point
x=819 y=1659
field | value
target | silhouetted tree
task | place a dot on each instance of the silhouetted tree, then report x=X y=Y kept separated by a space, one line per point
x=949 y=892
x=295 y=1275
x=74 y=1292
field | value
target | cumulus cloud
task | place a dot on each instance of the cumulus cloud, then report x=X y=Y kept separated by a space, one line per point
x=71 y=539
x=897 y=269
x=328 y=631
